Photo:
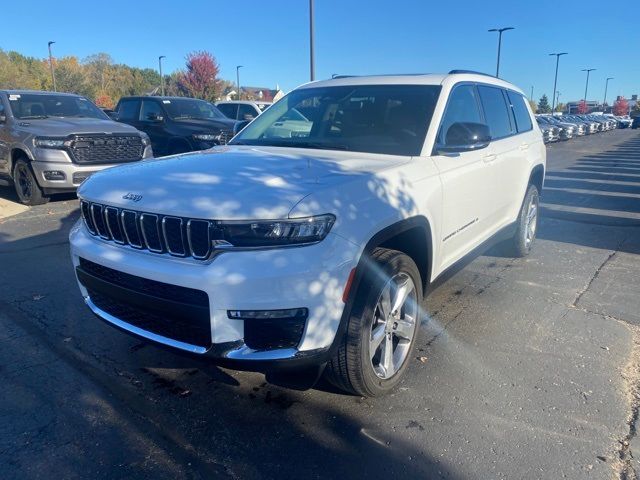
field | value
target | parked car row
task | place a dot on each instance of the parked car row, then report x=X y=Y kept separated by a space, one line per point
x=565 y=127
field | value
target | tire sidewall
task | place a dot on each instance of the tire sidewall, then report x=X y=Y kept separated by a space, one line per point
x=532 y=193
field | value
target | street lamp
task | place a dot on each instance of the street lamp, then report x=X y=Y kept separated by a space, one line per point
x=238 y=67
x=312 y=59
x=499 y=30
x=586 y=87
x=531 y=97
x=555 y=82
x=53 y=73
x=606 y=85
x=161 y=77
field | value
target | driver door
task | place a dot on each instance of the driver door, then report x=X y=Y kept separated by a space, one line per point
x=466 y=180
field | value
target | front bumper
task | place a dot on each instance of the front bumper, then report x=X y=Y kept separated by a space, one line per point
x=311 y=277
x=73 y=174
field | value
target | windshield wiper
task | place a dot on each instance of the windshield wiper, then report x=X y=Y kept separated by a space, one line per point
x=31 y=117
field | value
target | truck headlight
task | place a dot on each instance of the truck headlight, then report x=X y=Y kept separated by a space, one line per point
x=207 y=137
x=273 y=233
x=146 y=141
x=49 y=142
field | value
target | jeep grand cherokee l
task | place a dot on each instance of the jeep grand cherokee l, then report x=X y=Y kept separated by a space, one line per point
x=51 y=142
x=312 y=252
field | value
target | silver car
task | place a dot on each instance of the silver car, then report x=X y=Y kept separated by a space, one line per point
x=51 y=142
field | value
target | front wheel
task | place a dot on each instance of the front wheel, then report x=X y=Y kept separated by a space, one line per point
x=27 y=188
x=382 y=327
x=527 y=224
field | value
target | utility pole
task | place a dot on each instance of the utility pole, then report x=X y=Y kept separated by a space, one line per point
x=586 y=87
x=555 y=81
x=238 y=67
x=499 y=30
x=606 y=85
x=531 y=97
x=161 y=77
x=53 y=73
x=312 y=59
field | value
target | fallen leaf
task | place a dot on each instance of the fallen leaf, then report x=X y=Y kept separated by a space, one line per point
x=422 y=359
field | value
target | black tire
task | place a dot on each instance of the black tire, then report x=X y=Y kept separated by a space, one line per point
x=520 y=244
x=351 y=367
x=26 y=185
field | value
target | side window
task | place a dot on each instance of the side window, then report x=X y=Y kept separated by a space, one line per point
x=520 y=111
x=228 y=109
x=462 y=107
x=246 y=112
x=128 y=110
x=151 y=111
x=496 y=112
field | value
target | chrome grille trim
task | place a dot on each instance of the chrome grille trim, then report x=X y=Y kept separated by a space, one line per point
x=126 y=230
x=119 y=225
x=166 y=237
x=189 y=239
x=144 y=232
x=175 y=236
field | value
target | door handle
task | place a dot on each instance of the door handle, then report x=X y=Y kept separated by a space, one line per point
x=489 y=158
x=524 y=146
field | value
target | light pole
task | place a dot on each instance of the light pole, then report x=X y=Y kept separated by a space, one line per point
x=606 y=85
x=238 y=67
x=161 y=77
x=499 y=30
x=312 y=56
x=555 y=81
x=586 y=87
x=53 y=73
x=531 y=97
x=558 y=97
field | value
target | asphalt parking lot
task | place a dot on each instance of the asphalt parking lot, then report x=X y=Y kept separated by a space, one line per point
x=526 y=368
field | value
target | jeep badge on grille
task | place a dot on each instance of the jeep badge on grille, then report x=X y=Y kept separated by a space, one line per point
x=132 y=196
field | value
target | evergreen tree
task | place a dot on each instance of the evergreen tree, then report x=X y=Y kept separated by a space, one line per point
x=543 y=105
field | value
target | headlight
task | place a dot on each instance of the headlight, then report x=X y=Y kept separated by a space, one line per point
x=273 y=233
x=146 y=141
x=51 y=142
x=207 y=137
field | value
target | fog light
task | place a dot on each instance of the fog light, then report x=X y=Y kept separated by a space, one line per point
x=54 y=175
x=267 y=314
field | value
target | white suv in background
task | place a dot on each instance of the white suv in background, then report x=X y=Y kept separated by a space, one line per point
x=302 y=252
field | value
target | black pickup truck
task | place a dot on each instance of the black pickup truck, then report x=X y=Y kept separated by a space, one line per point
x=176 y=124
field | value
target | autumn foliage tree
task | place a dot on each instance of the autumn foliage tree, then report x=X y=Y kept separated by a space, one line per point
x=200 y=80
x=583 y=107
x=621 y=106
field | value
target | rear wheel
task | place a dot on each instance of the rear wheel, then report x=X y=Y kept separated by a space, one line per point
x=382 y=327
x=527 y=224
x=27 y=188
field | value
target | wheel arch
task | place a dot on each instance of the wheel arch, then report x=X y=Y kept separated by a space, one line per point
x=412 y=236
x=537 y=177
x=17 y=153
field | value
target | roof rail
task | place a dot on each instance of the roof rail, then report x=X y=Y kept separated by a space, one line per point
x=335 y=75
x=452 y=72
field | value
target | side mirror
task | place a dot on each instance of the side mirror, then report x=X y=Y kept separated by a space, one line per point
x=240 y=125
x=465 y=137
x=154 y=117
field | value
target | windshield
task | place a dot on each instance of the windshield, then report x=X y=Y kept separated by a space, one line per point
x=37 y=105
x=390 y=119
x=189 y=108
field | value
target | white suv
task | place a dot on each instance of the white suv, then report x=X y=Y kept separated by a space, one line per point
x=299 y=252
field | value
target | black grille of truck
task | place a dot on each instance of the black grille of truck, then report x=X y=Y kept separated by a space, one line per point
x=171 y=311
x=96 y=149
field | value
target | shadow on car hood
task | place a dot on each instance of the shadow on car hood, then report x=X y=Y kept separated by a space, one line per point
x=232 y=182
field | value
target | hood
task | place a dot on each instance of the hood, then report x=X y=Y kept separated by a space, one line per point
x=205 y=124
x=231 y=182
x=54 y=127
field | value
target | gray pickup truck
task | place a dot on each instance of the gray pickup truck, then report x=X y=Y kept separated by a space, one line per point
x=51 y=142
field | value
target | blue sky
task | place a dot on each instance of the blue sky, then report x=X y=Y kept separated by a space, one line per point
x=270 y=38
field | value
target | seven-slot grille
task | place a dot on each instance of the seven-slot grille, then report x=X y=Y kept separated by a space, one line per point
x=180 y=237
x=106 y=148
